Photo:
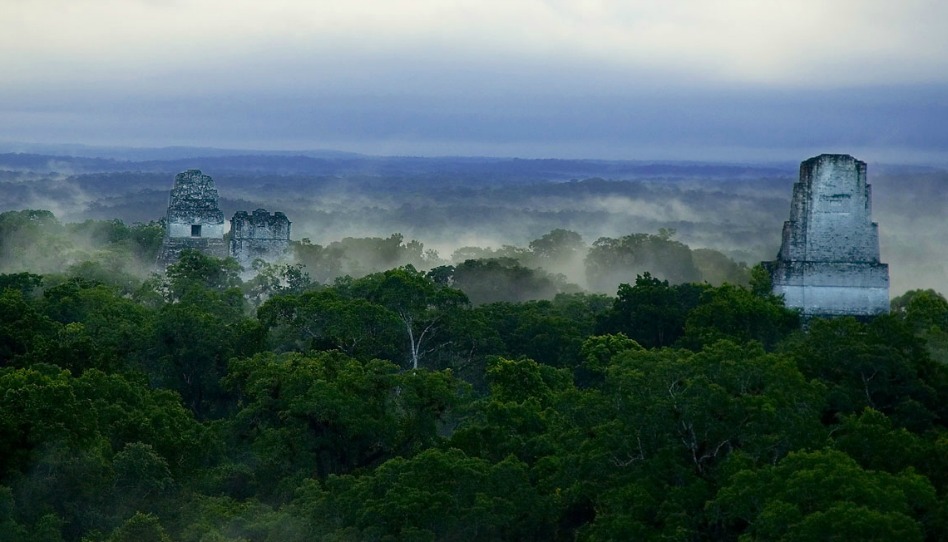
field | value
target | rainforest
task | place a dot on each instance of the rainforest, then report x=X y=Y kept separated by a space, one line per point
x=370 y=389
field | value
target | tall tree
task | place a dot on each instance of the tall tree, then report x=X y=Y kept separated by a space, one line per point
x=423 y=307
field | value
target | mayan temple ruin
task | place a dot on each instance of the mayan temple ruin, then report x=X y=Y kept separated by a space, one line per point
x=194 y=219
x=259 y=235
x=828 y=263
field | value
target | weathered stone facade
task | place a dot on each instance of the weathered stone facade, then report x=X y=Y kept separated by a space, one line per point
x=259 y=235
x=194 y=219
x=828 y=264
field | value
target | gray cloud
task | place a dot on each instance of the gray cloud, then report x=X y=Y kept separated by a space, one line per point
x=801 y=43
x=689 y=79
x=887 y=123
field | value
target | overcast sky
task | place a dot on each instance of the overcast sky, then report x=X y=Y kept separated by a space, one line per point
x=686 y=79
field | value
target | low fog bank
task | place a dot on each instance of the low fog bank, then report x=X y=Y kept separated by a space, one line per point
x=736 y=210
x=910 y=208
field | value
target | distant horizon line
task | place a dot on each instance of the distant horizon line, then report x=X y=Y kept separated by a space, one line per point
x=132 y=153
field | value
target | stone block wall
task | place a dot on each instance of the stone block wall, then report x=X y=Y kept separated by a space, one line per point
x=828 y=262
x=259 y=235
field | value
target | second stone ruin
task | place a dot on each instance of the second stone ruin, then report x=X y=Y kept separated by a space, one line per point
x=194 y=221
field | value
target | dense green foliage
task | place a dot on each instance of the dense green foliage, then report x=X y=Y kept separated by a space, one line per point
x=198 y=406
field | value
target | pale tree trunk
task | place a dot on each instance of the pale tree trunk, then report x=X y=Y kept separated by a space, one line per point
x=415 y=344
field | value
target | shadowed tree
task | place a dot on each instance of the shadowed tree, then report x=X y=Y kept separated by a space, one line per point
x=824 y=495
x=438 y=495
x=327 y=413
x=652 y=312
x=881 y=365
x=613 y=261
x=326 y=319
x=489 y=281
x=735 y=313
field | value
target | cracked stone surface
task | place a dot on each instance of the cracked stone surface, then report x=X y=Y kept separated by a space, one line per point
x=259 y=235
x=194 y=219
x=828 y=264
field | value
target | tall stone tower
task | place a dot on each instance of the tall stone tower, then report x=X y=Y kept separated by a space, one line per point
x=828 y=263
x=259 y=235
x=194 y=219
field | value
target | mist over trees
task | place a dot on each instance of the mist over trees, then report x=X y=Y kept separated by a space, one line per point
x=561 y=384
x=556 y=262
x=451 y=203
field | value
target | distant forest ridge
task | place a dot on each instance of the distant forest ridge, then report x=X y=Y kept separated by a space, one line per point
x=333 y=163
